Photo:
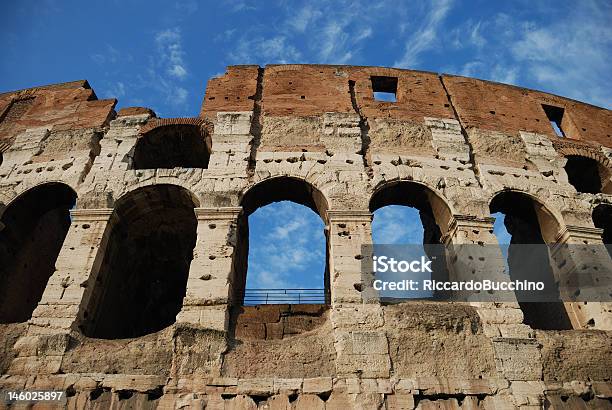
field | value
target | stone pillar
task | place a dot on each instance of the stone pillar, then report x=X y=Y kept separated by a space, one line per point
x=502 y=321
x=212 y=268
x=66 y=289
x=471 y=243
x=484 y=260
x=66 y=295
x=361 y=344
x=581 y=260
x=348 y=231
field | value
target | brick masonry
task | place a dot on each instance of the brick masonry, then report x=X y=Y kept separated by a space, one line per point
x=314 y=134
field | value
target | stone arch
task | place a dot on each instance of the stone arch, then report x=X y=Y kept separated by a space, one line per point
x=297 y=189
x=266 y=192
x=415 y=194
x=602 y=219
x=549 y=219
x=434 y=213
x=588 y=170
x=173 y=143
x=179 y=183
x=33 y=227
x=142 y=277
x=10 y=196
x=532 y=226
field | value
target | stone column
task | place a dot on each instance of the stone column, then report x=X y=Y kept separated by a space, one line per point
x=348 y=231
x=361 y=344
x=501 y=321
x=66 y=295
x=212 y=268
x=581 y=260
x=471 y=243
x=66 y=289
x=484 y=260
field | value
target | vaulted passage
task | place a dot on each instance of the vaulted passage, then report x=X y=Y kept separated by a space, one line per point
x=282 y=254
x=584 y=174
x=408 y=213
x=142 y=280
x=528 y=223
x=602 y=218
x=172 y=146
x=32 y=231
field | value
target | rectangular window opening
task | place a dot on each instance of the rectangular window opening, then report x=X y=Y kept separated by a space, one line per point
x=385 y=88
x=555 y=116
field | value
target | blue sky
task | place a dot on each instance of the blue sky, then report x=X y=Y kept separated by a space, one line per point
x=161 y=54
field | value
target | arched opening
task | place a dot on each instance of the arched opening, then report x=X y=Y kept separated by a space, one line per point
x=142 y=279
x=172 y=146
x=408 y=213
x=32 y=231
x=282 y=250
x=602 y=218
x=585 y=174
x=527 y=222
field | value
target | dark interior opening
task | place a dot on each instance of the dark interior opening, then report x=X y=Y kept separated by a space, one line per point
x=602 y=218
x=173 y=146
x=384 y=88
x=263 y=194
x=522 y=224
x=555 y=116
x=583 y=174
x=32 y=231
x=142 y=279
x=419 y=197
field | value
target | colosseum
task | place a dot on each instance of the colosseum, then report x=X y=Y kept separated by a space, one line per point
x=124 y=243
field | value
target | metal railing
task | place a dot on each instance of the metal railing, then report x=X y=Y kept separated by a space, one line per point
x=251 y=297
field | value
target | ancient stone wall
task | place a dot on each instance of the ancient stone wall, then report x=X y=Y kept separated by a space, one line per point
x=107 y=324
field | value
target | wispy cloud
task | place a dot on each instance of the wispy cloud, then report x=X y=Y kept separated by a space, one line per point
x=117 y=90
x=109 y=55
x=276 y=49
x=287 y=247
x=573 y=55
x=236 y=6
x=170 y=49
x=397 y=225
x=316 y=31
x=304 y=17
x=568 y=53
x=426 y=36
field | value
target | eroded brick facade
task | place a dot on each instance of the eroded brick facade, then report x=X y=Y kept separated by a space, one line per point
x=109 y=325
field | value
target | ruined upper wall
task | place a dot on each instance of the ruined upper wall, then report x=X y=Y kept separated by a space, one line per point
x=310 y=91
x=500 y=107
x=58 y=107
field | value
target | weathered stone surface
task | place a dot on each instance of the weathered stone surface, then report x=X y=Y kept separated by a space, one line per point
x=315 y=135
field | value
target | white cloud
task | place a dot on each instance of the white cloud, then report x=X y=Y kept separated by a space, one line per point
x=170 y=50
x=110 y=55
x=287 y=247
x=273 y=50
x=116 y=90
x=238 y=5
x=305 y=16
x=397 y=225
x=570 y=56
x=426 y=36
x=317 y=31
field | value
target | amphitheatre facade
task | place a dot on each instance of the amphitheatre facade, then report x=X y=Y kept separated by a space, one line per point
x=124 y=243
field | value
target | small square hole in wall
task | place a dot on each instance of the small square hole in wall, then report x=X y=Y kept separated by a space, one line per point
x=555 y=116
x=385 y=88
